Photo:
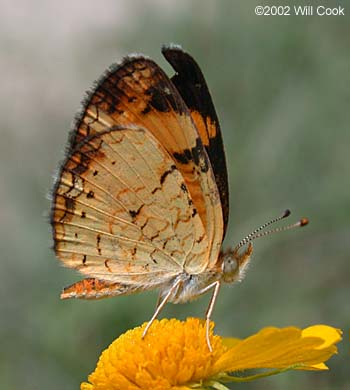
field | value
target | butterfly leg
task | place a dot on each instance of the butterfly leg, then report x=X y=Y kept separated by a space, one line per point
x=216 y=287
x=160 y=306
x=159 y=299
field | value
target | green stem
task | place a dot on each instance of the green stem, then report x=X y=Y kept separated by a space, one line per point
x=230 y=378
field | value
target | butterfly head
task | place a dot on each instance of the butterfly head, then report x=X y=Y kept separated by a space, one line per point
x=234 y=263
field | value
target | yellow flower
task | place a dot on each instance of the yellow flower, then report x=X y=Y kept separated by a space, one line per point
x=174 y=355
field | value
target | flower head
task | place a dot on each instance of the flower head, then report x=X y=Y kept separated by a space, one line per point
x=174 y=355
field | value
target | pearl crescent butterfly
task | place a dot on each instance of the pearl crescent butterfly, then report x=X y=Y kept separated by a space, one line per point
x=141 y=200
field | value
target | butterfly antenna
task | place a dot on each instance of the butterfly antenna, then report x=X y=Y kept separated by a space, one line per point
x=257 y=232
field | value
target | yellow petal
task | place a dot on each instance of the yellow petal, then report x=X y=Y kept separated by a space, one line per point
x=281 y=348
x=230 y=341
x=328 y=334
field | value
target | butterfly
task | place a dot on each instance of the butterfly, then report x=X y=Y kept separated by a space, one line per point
x=141 y=201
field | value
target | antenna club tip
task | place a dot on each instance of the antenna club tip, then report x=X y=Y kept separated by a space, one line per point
x=304 y=222
x=286 y=214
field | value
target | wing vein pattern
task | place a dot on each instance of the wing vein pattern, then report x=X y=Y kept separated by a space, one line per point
x=136 y=196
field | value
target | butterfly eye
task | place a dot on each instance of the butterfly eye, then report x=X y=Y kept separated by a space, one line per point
x=230 y=267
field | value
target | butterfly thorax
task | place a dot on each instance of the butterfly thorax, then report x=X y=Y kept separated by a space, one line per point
x=189 y=287
x=230 y=267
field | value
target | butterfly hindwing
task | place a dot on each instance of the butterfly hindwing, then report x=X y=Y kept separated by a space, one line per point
x=122 y=212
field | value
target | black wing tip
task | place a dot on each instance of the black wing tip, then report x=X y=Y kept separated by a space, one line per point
x=171 y=47
x=176 y=55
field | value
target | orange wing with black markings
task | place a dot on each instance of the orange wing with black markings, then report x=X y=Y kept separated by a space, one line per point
x=137 y=92
x=122 y=212
x=135 y=202
x=191 y=84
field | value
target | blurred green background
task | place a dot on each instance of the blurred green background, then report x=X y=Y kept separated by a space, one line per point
x=281 y=89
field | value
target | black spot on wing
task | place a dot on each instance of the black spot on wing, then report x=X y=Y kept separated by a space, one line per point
x=146 y=110
x=166 y=173
x=151 y=256
x=98 y=242
x=69 y=203
x=157 y=100
x=184 y=188
x=135 y=213
x=163 y=97
x=83 y=164
x=69 y=209
x=195 y=154
x=185 y=157
x=90 y=194
x=155 y=190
